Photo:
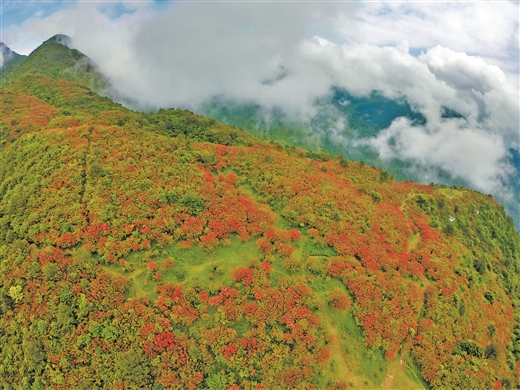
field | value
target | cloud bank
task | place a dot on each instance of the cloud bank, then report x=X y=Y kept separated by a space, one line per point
x=458 y=55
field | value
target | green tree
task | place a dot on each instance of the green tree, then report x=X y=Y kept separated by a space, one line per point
x=216 y=381
x=135 y=367
x=193 y=203
x=34 y=354
x=16 y=293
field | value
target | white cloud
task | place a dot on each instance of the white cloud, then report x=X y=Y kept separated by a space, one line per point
x=467 y=153
x=482 y=84
x=479 y=28
x=474 y=149
x=191 y=51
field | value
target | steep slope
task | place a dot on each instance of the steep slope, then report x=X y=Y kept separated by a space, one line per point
x=54 y=86
x=169 y=251
x=54 y=59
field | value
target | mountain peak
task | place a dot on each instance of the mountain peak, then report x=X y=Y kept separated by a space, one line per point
x=63 y=39
x=56 y=58
x=8 y=56
x=5 y=49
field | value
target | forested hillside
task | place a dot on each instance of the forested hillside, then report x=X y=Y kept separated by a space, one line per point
x=347 y=124
x=167 y=250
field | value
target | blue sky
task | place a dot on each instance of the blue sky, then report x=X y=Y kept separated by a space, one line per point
x=15 y=12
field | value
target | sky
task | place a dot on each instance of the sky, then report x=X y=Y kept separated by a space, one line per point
x=460 y=54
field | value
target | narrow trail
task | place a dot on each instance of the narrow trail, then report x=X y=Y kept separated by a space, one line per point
x=403 y=203
x=389 y=381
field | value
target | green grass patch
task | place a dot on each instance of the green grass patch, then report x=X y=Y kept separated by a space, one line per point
x=193 y=266
x=414 y=241
x=450 y=192
x=373 y=366
x=412 y=374
x=311 y=249
x=284 y=223
x=351 y=362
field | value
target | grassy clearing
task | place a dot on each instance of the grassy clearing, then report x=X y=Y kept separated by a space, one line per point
x=311 y=249
x=450 y=192
x=284 y=223
x=413 y=241
x=400 y=375
x=190 y=266
x=351 y=362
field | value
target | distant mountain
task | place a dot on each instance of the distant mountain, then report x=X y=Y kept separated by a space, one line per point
x=8 y=56
x=167 y=250
x=8 y=59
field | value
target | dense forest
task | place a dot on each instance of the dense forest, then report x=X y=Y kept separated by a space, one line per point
x=166 y=250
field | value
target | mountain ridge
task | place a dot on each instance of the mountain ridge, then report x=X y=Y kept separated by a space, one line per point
x=167 y=250
x=55 y=59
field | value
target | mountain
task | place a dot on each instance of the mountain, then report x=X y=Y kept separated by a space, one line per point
x=167 y=250
x=8 y=59
x=54 y=59
x=347 y=124
x=9 y=56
